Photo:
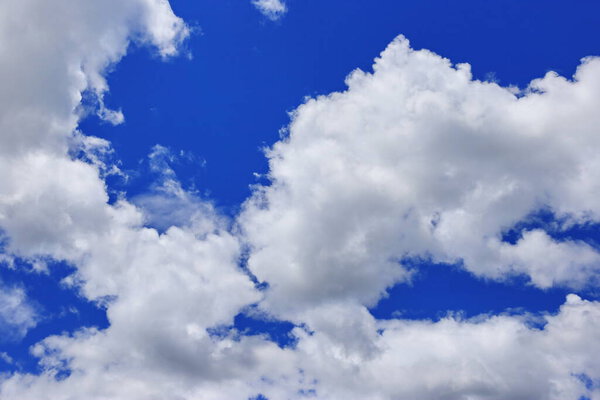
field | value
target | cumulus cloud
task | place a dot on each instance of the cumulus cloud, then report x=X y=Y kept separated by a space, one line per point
x=53 y=53
x=483 y=358
x=272 y=9
x=53 y=203
x=417 y=159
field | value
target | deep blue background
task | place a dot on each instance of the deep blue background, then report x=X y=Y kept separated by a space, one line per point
x=247 y=72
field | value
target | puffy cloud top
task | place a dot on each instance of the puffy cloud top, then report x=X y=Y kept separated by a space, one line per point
x=417 y=159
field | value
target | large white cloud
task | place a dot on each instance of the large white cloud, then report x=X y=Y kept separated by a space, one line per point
x=485 y=358
x=418 y=160
x=347 y=355
x=52 y=205
x=414 y=159
x=162 y=291
x=52 y=53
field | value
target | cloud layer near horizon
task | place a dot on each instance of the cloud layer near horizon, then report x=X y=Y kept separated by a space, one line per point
x=414 y=160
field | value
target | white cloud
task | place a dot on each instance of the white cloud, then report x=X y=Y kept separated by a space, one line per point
x=52 y=53
x=418 y=160
x=6 y=358
x=17 y=314
x=162 y=291
x=272 y=9
x=56 y=206
x=484 y=358
x=167 y=203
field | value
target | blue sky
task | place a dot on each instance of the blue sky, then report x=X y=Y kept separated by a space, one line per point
x=246 y=230
x=247 y=72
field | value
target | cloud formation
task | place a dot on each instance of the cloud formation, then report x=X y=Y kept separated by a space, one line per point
x=418 y=160
x=17 y=315
x=347 y=355
x=413 y=160
x=272 y=9
x=53 y=54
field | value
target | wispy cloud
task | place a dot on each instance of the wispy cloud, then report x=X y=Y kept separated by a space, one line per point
x=17 y=315
x=272 y=9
